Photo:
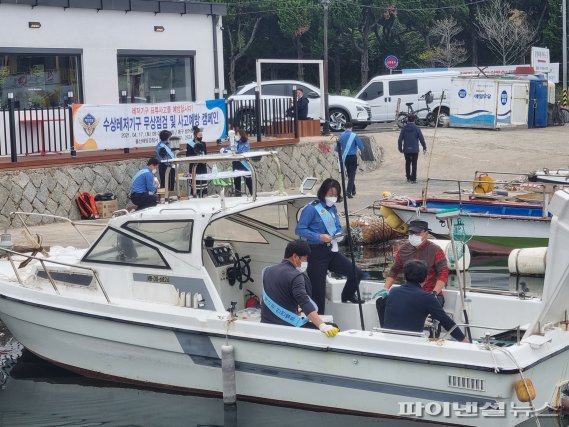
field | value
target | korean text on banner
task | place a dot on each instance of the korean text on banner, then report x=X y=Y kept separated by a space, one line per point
x=108 y=127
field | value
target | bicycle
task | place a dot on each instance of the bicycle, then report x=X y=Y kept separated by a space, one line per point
x=429 y=120
x=560 y=115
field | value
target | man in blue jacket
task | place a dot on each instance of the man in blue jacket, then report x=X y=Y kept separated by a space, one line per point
x=350 y=143
x=409 y=139
x=164 y=152
x=409 y=305
x=144 y=183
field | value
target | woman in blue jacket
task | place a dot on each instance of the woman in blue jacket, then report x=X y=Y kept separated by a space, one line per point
x=319 y=224
x=242 y=146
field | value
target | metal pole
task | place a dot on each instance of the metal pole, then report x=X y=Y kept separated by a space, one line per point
x=12 y=120
x=326 y=126
x=214 y=19
x=349 y=231
x=71 y=133
x=564 y=44
x=258 y=113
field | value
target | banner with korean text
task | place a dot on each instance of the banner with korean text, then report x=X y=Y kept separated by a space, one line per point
x=108 y=127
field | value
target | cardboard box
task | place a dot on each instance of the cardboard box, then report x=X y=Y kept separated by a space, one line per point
x=106 y=208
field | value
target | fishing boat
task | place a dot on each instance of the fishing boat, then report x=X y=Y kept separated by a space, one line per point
x=553 y=176
x=159 y=293
x=497 y=226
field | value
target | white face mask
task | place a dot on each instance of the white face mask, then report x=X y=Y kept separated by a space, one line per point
x=154 y=171
x=303 y=266
x=415 y=240
x=330 y=200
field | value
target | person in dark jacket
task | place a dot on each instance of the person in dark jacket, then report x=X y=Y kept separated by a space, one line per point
x=408 y=305
x=197 y=147
x=164 y=152
x=409 y=139
x=301 y=105
x=284 y=292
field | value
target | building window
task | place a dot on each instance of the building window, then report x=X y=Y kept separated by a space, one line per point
x=40 y=80
x=152 y=78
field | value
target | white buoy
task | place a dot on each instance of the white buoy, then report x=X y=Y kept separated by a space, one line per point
x=463 y=264
x=528 y=261
x=228 y=374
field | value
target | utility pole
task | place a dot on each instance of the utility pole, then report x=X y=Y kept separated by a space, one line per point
x=326 y=126
x=564 y=44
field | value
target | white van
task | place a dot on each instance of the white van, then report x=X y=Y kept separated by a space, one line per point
x=382 y=92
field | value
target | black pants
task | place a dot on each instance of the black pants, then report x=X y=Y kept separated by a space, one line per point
x=411 y=166
x=321 y=260
x=238 y=166
x=143 y=200
x=351 y=169
x=162 y=172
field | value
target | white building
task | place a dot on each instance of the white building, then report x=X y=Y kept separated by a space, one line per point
x=109 y=51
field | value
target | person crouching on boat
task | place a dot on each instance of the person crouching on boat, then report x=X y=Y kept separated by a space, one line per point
x=144 y=186
x=408 y=305
x=285 y=290
x=319 y=224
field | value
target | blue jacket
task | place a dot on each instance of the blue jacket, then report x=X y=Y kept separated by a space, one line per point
x=408 y=306
x=310 y=225
x=164 y=148
x=143 y=182
x=344 y=138
x=242 y=146
x=409 y=139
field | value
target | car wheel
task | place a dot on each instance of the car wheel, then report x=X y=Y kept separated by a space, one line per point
x=247 y=120
x=402 y=119
x=338 y=119
x=443 y=117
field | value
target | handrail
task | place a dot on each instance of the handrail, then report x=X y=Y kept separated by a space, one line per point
x=18 y=214
x=398 y=332
x=42 y=261
x=468 y=325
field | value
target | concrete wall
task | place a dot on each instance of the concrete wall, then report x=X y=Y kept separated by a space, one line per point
x=53 y=189
x=101 y=34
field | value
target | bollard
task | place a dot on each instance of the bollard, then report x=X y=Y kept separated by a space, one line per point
x=564 y=103
x=228 y=374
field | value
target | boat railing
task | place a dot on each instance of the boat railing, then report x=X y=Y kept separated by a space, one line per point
x=487 y=336
x=538 y=188
x=399 y=332
x=43 y=261
x=21 y=216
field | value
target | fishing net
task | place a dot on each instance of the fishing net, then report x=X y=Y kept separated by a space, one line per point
x=462 y=230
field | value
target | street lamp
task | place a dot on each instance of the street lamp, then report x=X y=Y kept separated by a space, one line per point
x=326 y=126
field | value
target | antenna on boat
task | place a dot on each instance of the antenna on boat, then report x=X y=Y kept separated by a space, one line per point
x=431 y=148
x=350 y=243
x=447 y=216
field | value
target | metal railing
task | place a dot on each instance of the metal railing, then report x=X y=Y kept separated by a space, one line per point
x=487 y=337
x=35 y=130
x=262 y=117
x=43 y=261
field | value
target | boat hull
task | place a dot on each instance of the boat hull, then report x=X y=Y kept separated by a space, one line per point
x=182 y=359
x=492 y=234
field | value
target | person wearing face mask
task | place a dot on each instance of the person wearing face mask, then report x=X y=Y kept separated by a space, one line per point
x=197 y=147
x=164 y=152
x=419 y=247
x=144 y=185
x=320 y=226
x=285 y=291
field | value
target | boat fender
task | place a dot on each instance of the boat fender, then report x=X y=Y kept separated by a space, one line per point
x=525 y=391
x=528 y=261
x=228 y=374
x=393 y=220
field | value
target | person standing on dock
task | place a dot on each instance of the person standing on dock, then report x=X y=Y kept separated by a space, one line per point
x=319 y=224
x=164 y=152
x=408 y=144
x=351 y=142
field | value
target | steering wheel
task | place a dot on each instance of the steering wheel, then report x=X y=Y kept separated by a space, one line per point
x=241 y=270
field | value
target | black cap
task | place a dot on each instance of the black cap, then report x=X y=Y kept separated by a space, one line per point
x=418 y=225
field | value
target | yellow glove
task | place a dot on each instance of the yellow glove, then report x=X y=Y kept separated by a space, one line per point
x=329 y=330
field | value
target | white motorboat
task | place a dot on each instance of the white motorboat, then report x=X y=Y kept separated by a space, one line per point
x=556 y=176
x=148 y=301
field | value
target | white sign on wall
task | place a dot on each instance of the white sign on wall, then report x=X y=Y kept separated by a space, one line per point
x=103 y=127
x=540 y=59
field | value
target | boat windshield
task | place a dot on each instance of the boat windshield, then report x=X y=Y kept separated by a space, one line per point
x=174 y=235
